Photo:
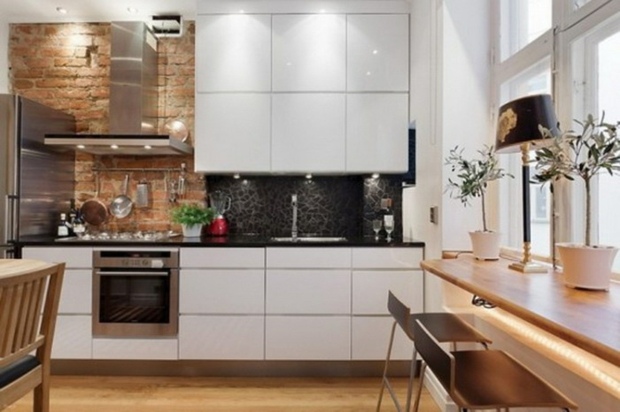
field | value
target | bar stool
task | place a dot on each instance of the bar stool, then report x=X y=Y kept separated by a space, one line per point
x=447 y=327
x=489 y=379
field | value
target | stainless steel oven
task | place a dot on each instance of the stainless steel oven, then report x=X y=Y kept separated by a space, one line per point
x=135 y=292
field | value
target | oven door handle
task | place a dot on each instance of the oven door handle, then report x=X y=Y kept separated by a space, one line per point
x=104 y=273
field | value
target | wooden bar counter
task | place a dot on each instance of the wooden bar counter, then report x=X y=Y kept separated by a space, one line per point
x=589 y=320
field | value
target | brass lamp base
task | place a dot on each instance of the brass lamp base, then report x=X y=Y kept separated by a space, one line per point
x=528 y=267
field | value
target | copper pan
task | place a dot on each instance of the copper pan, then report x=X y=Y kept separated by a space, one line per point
x=94 y=211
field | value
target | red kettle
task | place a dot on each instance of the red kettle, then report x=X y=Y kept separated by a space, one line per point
x=220 y=202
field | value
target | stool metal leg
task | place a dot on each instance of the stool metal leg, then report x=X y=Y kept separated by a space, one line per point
x=384 y=379
x=411 y=378
x=416 y=405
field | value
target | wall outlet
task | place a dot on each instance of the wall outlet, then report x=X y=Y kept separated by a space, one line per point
x=434 y=214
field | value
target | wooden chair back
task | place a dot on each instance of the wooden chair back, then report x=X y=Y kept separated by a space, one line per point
x=437 y=358
x=29 y=298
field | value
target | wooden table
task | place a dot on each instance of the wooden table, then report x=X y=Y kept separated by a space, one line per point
x=587 y=319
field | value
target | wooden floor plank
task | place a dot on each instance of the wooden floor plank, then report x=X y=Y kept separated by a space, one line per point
x=193 y=394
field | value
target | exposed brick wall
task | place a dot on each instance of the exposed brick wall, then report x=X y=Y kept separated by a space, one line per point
x=67 y=66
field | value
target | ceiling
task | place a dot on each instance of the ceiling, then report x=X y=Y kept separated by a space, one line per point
x=44 y=11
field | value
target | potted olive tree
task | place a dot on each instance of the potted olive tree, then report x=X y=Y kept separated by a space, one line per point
x=570 y=155
x=192 y=217
x=471 y=181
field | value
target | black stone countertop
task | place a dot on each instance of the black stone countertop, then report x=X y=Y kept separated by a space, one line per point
x=223 y=241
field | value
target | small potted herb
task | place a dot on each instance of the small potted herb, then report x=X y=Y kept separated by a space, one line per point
x=471 y=181
x=192 y=217
x=570 y=155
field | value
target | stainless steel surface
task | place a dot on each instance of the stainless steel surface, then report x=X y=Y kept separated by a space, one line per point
x=122 y=205
x=133 y=79
x=294 y=226
x=36 y=182
x=136 y=263
x=133 y=128
x=138 y=236
x=317 y=239
x=142 y=194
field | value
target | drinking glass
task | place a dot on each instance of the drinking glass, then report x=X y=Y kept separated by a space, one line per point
x=389 y=227
x=376 y=226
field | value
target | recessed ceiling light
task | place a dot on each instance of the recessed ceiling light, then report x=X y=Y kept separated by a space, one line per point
x=61 y=10
x=132 y=10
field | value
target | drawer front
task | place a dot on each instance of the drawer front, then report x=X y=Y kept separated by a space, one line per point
x=308 y=291
x=370 y=290
x=223 y=291
x=76 y=295
x=220 y=257
x=387 y=258
x=74 y=257
x=308 y=337
x=309 y=257
x=370 y=336
x=139 y=349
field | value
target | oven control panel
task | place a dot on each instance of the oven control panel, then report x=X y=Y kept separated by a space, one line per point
x=154 y=258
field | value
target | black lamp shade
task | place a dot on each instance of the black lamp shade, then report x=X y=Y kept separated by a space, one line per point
x=519 y=119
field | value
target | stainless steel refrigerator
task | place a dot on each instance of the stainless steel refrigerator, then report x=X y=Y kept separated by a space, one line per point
x=36 y=181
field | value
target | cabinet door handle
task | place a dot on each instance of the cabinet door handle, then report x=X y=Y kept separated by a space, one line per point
x=159 y=274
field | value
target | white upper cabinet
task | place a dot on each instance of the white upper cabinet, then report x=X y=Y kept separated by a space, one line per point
x=377 y=132
x=308 y=132
x=233 y=132
x=309 y=52
x=233 y=53
x=378 y=52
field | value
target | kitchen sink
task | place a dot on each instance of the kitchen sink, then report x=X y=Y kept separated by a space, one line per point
x=316 y=239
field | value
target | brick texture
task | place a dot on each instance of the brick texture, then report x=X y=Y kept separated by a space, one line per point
x=69 y=70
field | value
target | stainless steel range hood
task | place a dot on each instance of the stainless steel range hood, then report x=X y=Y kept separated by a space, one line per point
x=133 y=101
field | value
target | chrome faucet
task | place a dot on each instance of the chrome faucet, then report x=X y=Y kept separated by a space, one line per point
x=294 y=227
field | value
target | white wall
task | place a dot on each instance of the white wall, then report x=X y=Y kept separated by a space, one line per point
x=450 y=105
x=4 y=57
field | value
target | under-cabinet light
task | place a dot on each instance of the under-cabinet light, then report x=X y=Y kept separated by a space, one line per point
x=114 y=146
x=147 y=147
x=81 y=146
x=61 y=10
x=236 y=176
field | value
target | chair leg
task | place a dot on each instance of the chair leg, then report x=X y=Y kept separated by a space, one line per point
x=411 y=378
x=384 y=378
x=416 y=405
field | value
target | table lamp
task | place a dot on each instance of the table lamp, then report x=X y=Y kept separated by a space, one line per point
x=517 y=127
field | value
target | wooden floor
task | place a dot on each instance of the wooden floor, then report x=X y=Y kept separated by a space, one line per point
x=159 y=394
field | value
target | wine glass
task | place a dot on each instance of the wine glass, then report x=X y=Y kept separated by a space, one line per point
x=376 y=226
x=389 y=227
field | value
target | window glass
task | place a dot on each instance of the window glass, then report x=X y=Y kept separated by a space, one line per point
x=521 y=22
x=607 y=99
x=535 y=80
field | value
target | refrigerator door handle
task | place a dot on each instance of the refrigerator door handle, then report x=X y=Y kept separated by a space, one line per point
x=11 y=218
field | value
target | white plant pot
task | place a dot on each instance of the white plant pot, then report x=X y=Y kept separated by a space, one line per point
x=587 y=267
x=191 y=231
x=485 y=245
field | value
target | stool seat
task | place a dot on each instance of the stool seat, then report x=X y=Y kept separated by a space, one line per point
x=448 y=327
x=488 y=379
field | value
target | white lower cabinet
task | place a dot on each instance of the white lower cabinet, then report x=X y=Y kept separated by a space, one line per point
x=73 y=335
x=221 y=337
x=73 y=338
x=136 y=348
x=308 y=337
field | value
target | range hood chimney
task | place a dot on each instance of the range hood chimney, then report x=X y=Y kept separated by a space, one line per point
x=133 y=79
x=133 y=107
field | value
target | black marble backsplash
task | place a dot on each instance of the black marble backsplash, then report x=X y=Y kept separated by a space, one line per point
x=327 y=206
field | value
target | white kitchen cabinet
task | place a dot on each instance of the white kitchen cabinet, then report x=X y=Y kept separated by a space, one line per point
x=233 y=133
x=233 y=53
x=136 y=349
x=309 y=52
x=73 y=335
x=221 y=337
x=217 y=291
x=307 y=291
x=308 y=338
x=377 y=132
x=308 y=257
x=308 y=133
x=378 y=53
x=73 y=338
x=375 y=271
x=224 y=257
x=222 y=303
